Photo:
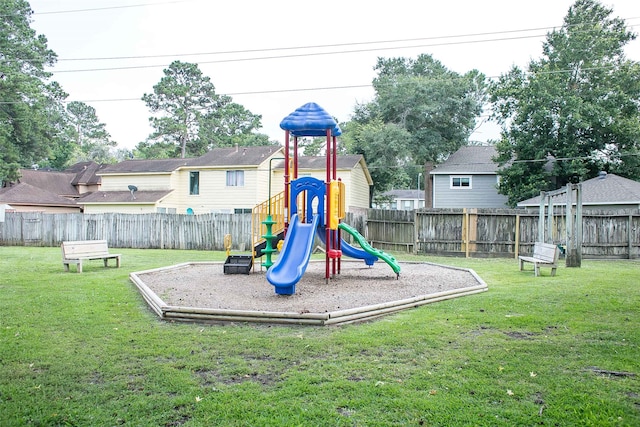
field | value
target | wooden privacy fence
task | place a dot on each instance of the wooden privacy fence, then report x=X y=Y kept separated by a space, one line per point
x=453 y=232
x=495 y=232
x=148 y=231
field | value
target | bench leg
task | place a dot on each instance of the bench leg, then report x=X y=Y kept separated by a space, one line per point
x=117 y=262
x=553 y=271
x=106 y=264
x=521 y=264
x=79 y=266
x=536 y=269
x=66 y=266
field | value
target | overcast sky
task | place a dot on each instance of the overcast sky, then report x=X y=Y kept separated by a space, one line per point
x=274 y=56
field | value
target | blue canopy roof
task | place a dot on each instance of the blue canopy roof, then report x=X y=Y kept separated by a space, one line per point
x=310 y=120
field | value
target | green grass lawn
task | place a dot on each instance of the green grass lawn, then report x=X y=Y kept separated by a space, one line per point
x=84 y=350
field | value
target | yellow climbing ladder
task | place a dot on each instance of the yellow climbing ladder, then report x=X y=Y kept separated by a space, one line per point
x=259 y=215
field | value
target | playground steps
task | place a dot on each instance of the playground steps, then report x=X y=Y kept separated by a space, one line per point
x=262 y=244
x=275 y=208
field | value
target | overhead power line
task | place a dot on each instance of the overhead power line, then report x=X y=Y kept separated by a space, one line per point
x=95 y=9
x=322 y=46
x=304 y=54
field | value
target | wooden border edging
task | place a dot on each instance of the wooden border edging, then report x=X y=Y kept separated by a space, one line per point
x=357 y=314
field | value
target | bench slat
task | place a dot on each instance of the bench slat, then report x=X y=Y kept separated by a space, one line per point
x=77 y=251
x=544 y=254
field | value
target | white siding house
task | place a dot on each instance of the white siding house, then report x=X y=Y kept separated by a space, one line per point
x=226 y=180
x=351 y=170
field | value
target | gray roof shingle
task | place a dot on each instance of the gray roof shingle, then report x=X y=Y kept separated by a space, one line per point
x=611 y=189
x=320 y=162
x=58 y=183
x=471 y=159
x=145 y=166
x=124 y=197
x=27 y=194
x=236 y=156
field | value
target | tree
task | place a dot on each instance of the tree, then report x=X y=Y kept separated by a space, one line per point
x=385 y=148
x=232 y=124
x=574 y=112
x=192 y=117
x=27 y=101
x=422 y=111
x=90 y=136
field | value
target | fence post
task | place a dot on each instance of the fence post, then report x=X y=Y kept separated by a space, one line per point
x=516 y=249
x=415 y=232
x=543 y=201
x=630 y=236
x=465 y=232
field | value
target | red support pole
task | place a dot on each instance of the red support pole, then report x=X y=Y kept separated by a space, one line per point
x=328 y=234
x=335 y=175
x=295 y=157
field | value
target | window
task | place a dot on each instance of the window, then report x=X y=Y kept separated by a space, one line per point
x=242 y=211
x=194 y=183
x=166 y=210
x=407 y=204
x=235 y=178
x=460 y=182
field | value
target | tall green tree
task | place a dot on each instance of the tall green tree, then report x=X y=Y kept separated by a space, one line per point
x=90 y=136
x=179 y=101
x=574 y=111
x=232 y=124
x=191 y=116
x=421 y=110
x=27 y=100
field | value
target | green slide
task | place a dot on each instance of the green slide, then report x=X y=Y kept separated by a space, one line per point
x=370 y=249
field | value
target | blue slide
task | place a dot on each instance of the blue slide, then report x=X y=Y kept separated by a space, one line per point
x=349 y=250
x=294 y=257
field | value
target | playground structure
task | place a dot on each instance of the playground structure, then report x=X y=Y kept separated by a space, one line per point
x=310 y=207
x=307 y=208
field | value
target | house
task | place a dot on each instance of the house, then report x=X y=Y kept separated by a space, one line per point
x=25 y=197
x=401 y=200
x=350 y=169
x=51 y=191
x=467 y=179
x=224 y=180
x=604 y=192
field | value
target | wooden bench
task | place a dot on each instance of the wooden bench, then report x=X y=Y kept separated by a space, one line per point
x=544 y=255
x=79 y=251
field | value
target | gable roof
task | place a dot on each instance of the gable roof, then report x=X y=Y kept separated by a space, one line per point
x=606 y=189
x=27 y=194
x=232 y=156
x=124 y=197
x=344 y=162
x=56 y=183
x=320 y=162
x=236 y=156
x=85 y=173
x=470 y=159
x=145 y=166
